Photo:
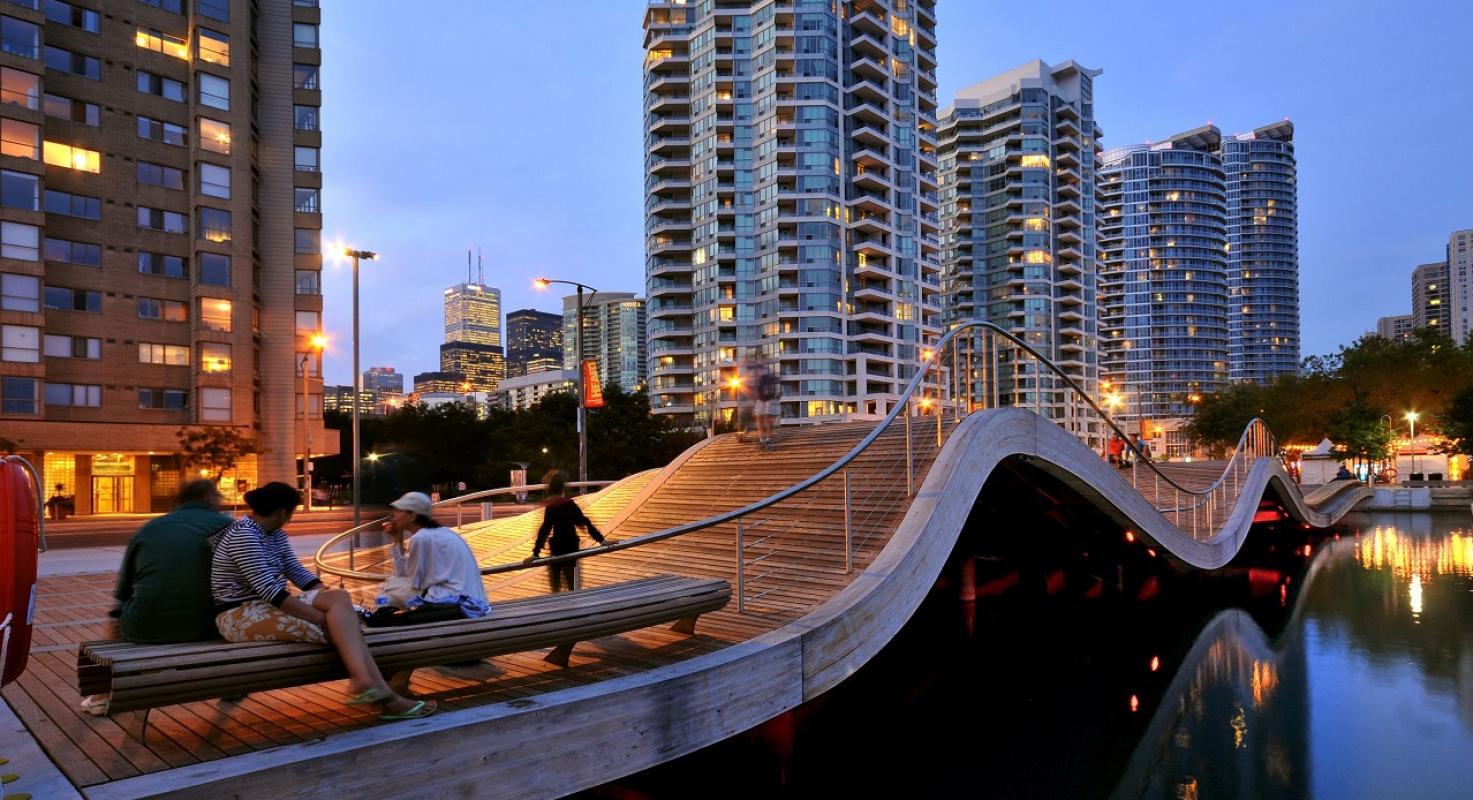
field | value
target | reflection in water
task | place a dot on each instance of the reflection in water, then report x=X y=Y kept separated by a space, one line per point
x=1368 y=692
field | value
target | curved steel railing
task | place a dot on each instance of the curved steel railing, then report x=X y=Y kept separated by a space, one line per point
x=1256 y=442
x=374 y=525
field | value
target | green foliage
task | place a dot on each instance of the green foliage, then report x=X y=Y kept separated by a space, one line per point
x=424 y=448
x=1336 y=393
x=214 y=448
x=1457 y=423
x=1360 y=432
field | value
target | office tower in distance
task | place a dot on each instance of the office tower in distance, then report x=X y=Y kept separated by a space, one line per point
x=383 y=380
x=441 y=383
x=1018 y=223
x=160 y=256
x=524 y=391
x=1263 y=253
x=1164 y=274
x=534 y=342
x=790 y=201
x=1431 y=308
x=1396 y=329
x=1460 y=285
x=473 y=333
x=613 y=336
x=340 y=398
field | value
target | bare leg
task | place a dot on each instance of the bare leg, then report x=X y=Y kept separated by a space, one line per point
x=343 y=631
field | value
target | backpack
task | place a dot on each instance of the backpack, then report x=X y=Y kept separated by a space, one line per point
x=767 y=387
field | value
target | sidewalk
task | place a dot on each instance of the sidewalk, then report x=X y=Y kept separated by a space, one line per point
x=85 y=560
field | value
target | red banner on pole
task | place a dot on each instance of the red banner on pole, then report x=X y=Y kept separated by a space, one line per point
x=593 y=391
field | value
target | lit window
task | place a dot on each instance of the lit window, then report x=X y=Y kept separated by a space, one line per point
x=20 y=139
x=214 y=357
x=1035 y=160
x=214 y=91
x=215 y=314
x=214 y=224
x=20 y=343
x=20 y=241
x=1037 y=257
x=214 y=405
x=72 y=157
x=214 y=48
x=214 y=136
x=159 y=42
x=19 y=88
x=171 y=355
x=214 y=180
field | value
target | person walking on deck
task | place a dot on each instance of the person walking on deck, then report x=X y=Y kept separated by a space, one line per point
x=561 y=517
x=252 y=563
x=163 y=589
x=768 y=390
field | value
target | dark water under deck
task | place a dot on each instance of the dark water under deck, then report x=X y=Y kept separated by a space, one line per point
x=1343 y=670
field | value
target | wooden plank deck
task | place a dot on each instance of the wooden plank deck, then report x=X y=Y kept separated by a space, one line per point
x=798 y=544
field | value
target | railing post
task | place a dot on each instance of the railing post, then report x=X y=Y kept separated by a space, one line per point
x=459 y=514
x=848 y=525
x=910 y=488
x=996 y=381
x=741 y=573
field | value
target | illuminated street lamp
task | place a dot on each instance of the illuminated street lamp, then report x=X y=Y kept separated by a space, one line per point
x=366 y=255
x=543 y=283
x=315 y=344
x=1411 y=418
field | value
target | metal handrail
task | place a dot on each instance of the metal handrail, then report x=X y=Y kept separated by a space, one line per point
x=901 y=404
x=374 y=524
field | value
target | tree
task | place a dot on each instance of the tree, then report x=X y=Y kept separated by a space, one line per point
x=8 y=446
x=1457 y=423
x=1358 y=431
x=214 y=448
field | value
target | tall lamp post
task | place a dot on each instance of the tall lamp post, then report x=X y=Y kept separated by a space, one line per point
x=316 y=344
x=543 y=283
x=366 y=255
x=1411 y=418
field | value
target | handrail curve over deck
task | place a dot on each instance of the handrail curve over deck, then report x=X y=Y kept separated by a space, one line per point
x=1255 y=442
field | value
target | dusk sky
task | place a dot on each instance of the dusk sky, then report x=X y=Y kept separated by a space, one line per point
x=516 y=128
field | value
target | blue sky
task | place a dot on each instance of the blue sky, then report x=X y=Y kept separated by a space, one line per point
x=517 y=128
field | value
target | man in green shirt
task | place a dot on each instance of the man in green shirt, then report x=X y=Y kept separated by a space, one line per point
x=164 y=586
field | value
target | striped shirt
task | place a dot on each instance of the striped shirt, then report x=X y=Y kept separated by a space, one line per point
x=252 y=564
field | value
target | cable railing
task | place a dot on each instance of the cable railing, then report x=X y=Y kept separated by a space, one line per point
x=973 y=367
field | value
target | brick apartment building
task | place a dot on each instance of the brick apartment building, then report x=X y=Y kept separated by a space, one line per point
x=161 y=222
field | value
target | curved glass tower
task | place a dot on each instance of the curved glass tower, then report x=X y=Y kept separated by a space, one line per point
x=1164 y=248
x=1263 y=240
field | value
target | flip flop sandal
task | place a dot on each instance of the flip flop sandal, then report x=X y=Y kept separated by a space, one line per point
x=369 y=696
x=420 y=710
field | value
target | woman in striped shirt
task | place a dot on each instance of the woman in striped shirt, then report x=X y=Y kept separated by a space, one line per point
x=251 y=566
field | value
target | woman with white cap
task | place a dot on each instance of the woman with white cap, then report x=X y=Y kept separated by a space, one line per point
x=442 y=576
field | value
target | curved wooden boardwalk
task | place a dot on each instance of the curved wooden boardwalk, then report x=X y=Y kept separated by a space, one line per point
x=517 y=727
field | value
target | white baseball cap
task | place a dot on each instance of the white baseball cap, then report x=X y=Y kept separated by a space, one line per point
x=414 y=503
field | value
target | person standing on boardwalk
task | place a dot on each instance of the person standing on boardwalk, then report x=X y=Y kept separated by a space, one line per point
x=562 y=517
x=249 y=572
x=163 y=589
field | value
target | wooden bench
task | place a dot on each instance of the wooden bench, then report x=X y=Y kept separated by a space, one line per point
x=144 y=676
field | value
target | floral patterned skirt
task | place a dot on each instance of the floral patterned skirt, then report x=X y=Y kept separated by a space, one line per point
x=257 y=621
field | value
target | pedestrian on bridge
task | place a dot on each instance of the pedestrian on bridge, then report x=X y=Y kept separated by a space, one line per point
x=561 y=517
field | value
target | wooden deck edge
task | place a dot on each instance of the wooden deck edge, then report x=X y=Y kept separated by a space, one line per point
x=593 y=734
x=39 y=776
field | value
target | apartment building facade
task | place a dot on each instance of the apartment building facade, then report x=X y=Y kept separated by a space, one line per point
x=614 y=331
x=1164 y=274
x=1431 y=298
x=1019 y=230
x=1263 y=253
x=791 y=209
x=161 y=260
x=1460 y=285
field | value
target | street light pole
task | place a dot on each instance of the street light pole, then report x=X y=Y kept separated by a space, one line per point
x=543 y=283
x=317 y=343
x=357 y=383
x=1411 y=418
